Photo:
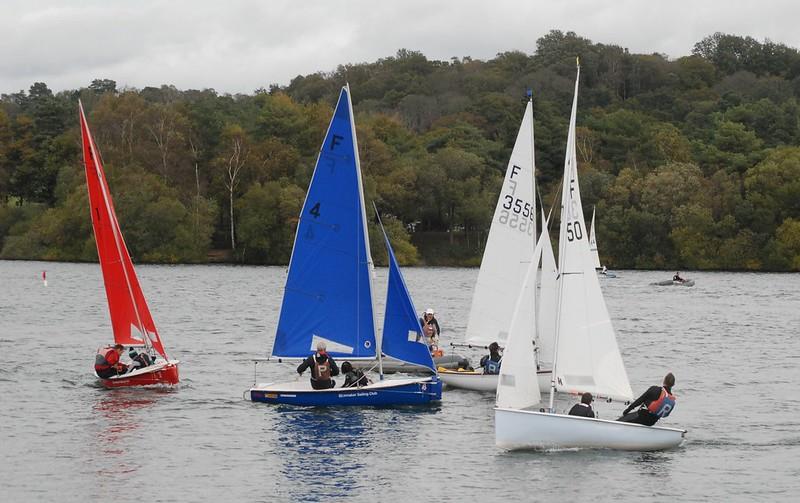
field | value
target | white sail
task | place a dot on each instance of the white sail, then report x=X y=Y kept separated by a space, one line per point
x=593 y=244
x=509 y=247
x=518 y=386
x=586 y=357
x=548 y=292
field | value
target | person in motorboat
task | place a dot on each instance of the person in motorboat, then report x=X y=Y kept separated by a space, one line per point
x=677 y=277
x=584 y=408
x=322 y=368
x=107 y=364
x=353 y=377
x=430 y=329
x=604 y=271
x=491 y=362
x=656 y=403
x=139 y=360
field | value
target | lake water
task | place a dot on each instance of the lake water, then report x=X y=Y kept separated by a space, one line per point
x=732 y=342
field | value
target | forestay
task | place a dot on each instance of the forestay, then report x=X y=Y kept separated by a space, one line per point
x=587 y=357
x=518 y=385
x=130 y=316
x=509 y=246
x=328 y=294
x=401 y=327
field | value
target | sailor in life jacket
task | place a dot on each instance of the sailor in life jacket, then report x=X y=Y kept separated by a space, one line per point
x=430 y=329
x=139 y=360
x=106 y=362
x=322 y=368
x=657 y=402
x=491 y=362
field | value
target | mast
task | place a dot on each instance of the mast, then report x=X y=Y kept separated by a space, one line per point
x=569 y=161
x=362 y=204
x=120 y=247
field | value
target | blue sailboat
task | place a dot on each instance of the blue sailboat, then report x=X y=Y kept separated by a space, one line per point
x=328 y=293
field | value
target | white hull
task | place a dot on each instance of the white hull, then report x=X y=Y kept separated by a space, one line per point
x=478 y=381
x=522 y=429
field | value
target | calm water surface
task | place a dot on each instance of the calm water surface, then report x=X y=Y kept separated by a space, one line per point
x=732 y=341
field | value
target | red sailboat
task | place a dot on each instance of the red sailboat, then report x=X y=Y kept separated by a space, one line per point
x=130 y=317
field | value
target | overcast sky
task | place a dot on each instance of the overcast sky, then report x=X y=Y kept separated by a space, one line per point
x=238 y=46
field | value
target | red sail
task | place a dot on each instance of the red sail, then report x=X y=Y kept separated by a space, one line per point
x=130 y=316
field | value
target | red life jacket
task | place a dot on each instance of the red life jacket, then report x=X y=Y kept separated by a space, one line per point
x=322 y=370
x=664 y=405
x=105 y=360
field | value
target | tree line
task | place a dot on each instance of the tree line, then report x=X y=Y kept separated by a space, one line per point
x=691 y=163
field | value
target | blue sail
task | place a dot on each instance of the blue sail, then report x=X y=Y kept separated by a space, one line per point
x=401 y=327
x=328 y=294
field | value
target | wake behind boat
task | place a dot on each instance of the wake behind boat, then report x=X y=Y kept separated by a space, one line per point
x=328 y=295
x=131 y=321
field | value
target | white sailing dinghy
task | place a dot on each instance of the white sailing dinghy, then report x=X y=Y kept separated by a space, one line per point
x=593 y=250
x=586 y=356
x=508 y=253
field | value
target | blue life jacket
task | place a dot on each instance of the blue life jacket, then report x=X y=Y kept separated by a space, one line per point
x=663 y=406
x=491 y=367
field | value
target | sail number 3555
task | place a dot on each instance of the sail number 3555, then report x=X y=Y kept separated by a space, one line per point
x=513 y=209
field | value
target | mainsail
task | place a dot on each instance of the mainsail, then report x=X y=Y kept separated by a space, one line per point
x=586 y=357
x=328 y=294
x=509 y=246
x=130 y=317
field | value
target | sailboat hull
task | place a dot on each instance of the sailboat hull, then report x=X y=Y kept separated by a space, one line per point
x=478 y=381
x=390 y=392
x=522 y=429
x=160 y=373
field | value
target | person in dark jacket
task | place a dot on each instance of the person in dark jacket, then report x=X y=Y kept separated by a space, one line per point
x=322 y=368
x=656 y=402
x=430 y=329
x=583 y=409
x=353 y=377
x=491 y=362
x=139 y=360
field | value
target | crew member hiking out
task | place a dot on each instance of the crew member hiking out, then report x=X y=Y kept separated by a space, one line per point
x=657 y=402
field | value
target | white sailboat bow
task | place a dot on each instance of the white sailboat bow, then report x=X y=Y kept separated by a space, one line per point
x=586 y=356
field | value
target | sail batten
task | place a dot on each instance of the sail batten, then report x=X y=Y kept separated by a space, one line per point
x=127 y=306
x=328 y=291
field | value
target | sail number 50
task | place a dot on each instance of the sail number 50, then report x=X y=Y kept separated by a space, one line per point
x=574 y=231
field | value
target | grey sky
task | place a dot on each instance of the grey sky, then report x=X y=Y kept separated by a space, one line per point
x=238 y=46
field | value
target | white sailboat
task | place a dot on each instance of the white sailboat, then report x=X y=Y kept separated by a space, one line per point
x=593 y=244
x=586 y=356
x=593 y=249
x=508 y=253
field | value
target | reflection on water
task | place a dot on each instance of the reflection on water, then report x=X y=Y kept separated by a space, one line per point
x=120 y=413
x=323 y=448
